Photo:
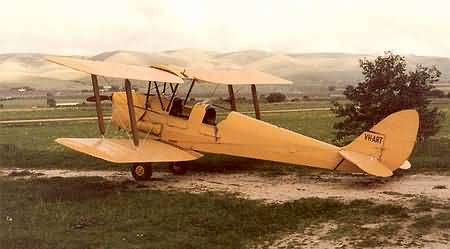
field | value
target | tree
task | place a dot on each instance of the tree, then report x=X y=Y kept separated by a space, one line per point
x=51 y=102
x=388 y=87
x=275 y=97
x=331 y=89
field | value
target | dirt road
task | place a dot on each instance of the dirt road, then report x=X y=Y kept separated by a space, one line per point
x=283 y=188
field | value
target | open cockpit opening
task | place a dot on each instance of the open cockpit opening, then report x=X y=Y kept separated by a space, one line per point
x=210 y=116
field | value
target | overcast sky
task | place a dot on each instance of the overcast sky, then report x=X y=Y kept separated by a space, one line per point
x=92 y=26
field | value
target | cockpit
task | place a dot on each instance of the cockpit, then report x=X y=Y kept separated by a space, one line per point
x=175 y=105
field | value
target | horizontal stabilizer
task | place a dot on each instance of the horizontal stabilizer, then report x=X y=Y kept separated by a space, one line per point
x=368 y=164
x=124 y=151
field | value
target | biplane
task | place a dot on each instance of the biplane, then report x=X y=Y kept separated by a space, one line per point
x=164 y=128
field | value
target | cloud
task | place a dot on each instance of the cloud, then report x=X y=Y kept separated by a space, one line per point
x=285 y=25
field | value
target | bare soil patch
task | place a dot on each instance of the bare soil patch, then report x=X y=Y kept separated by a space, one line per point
x=280 y=188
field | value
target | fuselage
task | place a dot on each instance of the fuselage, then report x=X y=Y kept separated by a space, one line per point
x=195 y=128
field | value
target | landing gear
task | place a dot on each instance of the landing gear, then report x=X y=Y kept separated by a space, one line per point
x=177 y=168
x=142 y=171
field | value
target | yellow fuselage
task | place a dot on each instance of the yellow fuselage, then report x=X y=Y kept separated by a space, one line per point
x=236 y=135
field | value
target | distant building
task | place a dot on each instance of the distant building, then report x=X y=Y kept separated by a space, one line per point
x=70 y=104
x=107 y=88
x=23 y=89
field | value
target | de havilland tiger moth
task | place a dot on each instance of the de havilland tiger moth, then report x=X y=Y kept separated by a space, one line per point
x=164 y=128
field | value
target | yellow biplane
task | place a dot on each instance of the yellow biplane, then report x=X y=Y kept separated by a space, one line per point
x=165 y=129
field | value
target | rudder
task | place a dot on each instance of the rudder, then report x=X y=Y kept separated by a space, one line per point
x=390 y=142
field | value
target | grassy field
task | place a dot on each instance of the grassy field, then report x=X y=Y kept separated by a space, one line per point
x=18 y=114
x=29 y=102
x=89 y=111
x=32 y=146
x=95 y=213
x=91 y=212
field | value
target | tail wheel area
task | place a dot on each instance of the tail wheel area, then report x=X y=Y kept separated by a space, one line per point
x=142 y=171
x=177 y=168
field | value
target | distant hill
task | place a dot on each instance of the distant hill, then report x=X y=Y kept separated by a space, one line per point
x=304 y=69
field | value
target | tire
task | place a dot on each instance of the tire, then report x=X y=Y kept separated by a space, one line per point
x=177 y=168
x=142 y=171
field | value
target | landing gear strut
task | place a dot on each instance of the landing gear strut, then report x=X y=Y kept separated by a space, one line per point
x=177 y=168
x=142 y=171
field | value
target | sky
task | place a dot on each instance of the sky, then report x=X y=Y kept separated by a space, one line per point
x=354 y=26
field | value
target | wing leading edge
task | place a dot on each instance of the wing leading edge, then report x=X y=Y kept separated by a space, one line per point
x=123 y=151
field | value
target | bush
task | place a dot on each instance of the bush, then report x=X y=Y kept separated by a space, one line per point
x=388 y=87
x=437 y=93
x=276 y=97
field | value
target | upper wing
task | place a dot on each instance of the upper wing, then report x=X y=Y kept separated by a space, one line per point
x=227 y=77
x=235 y=77
x=124 y=151
x=116 y=70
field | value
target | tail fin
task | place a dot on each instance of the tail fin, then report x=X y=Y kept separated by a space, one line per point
x=386 y=146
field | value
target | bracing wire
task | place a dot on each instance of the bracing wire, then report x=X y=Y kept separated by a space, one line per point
x=213 y=92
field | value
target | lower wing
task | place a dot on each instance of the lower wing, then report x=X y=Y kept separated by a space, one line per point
x=124 y=151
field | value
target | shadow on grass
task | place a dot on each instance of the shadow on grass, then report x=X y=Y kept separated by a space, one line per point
x=16 y=157
x=212 y=163
x=57 y=189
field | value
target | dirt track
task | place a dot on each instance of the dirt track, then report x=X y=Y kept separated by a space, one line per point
x=286 y=187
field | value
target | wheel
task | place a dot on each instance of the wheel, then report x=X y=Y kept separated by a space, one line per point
x=142 y=171
x=177 y=168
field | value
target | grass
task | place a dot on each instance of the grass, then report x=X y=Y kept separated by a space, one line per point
x=431 y=223
x=408 y=227
x=91 y=212
x=32 y=146
x=39 y=101
x=51 y=113
x=247 y=105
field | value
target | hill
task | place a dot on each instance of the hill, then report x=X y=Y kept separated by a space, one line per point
x=304 y=69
